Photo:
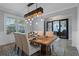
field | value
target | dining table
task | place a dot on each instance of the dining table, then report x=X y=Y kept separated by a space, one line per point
x=44 y=42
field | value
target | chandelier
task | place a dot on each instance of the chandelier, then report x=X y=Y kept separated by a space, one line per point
x=37 y=12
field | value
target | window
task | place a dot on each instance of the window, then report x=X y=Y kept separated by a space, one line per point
x=14 y=25
x=20 y=26
x=10 y=25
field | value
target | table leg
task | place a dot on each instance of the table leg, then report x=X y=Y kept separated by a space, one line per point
x=44 y=50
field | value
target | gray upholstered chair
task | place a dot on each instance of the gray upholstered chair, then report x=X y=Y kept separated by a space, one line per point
x=18 y=40
x=27 y=48
x=51 y=34
x=59 y=46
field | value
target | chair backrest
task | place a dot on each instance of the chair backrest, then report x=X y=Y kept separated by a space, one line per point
x=21 y=40
x=49 y=34
x=40 y=33
x=18 y=40
x=60 y=46
x=25 y=44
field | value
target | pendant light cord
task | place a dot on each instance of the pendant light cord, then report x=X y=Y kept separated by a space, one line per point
x=36 y=5
x=28 y=9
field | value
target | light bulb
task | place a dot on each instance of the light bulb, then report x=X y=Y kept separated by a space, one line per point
x=37 y=15
x=30 y=21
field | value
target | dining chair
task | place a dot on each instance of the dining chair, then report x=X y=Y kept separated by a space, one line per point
x=52 y=36
x=28 y=48
x=18 y=42
x=49 y=34
x=40 y=33
x=59 y=46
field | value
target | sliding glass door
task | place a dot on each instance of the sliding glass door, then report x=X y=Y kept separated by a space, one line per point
x=64 y=28
x=49 y=25
x=59 y=27
x=56 y=26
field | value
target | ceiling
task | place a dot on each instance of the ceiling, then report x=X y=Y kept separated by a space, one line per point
x=15 y=8
x=21 y=8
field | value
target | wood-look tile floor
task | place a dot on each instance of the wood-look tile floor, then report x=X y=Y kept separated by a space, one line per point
x=9 y=50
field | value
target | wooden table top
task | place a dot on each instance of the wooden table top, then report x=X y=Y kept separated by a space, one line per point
x=44 y=40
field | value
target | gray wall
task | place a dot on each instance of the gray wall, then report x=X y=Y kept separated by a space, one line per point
x=1 y=22
x=77 y=41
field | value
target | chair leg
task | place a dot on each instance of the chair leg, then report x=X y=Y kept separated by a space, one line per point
x=40 y=52
x=51 y=49
x=17 y=50
x=20 y=52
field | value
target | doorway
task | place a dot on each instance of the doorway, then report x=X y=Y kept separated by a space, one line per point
x=59 y=27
